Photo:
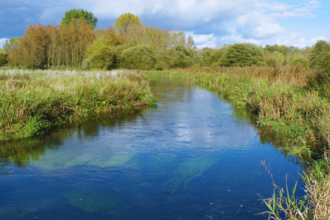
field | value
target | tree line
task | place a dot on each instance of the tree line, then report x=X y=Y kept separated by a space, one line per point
x=130 y=44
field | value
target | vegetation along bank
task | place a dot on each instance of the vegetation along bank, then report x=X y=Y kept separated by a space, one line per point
x=32 y=102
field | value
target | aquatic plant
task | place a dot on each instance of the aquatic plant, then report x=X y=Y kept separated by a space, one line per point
x=314 y=205
x=189 y=170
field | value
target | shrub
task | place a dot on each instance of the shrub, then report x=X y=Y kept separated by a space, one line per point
x=302 y=61
x=215 y=56
x=320 y=49
x=139 y=57
x=271 y=62
x=242 y=55
x=118 y=51
x=3 y=58
x=104 y=59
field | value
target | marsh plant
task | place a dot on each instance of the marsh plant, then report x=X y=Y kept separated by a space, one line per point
x=284 y=204
x=32 y=102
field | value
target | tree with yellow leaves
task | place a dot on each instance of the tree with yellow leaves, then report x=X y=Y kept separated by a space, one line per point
x=125 y=21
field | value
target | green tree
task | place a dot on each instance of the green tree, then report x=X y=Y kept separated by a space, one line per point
x=139 y=57
x=237 y=55
x=320 y=50
x=80 y=13
x=125 y=21
x=12 y=43
x=3 y=59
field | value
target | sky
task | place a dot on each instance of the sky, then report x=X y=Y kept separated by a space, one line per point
x=211 y=23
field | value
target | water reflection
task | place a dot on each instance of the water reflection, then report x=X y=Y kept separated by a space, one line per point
x=188 y=158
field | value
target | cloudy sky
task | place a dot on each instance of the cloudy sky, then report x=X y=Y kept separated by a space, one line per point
x=297 y=23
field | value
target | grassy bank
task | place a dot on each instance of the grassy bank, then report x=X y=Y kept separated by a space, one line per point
x=291 y=102
x=32 y=102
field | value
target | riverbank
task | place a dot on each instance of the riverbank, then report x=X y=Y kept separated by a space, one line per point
x=32 y=102
x=291 y=102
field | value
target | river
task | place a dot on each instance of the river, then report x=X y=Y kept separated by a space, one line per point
x=190 y=157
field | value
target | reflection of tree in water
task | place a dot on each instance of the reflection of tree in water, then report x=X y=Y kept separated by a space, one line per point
x=171 y=92
x=25 y=151
x=189 y=170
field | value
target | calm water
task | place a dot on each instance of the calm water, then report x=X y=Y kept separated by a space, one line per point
x=188 y=158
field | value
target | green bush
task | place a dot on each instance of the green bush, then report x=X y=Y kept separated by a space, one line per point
x=215 y=56
x=104 y=59
x=139 y=57
x=3 y=59
x=271 y=62
x=318 y=53
x=242 y=55
x=302 y=61
x=118 y=51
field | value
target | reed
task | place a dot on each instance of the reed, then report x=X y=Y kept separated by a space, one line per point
x=32 y=102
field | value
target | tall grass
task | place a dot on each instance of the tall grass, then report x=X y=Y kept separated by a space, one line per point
x=32 y=102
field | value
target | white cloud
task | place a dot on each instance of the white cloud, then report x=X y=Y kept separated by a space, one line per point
x=259 y=25
x=238 y=38
x=2 y=42
x=304 y=11
x=297 y=40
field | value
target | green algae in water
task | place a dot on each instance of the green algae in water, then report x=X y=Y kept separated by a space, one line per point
x=189 y=170
x=92 y=201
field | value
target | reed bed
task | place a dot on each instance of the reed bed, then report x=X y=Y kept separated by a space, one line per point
x=32 y=102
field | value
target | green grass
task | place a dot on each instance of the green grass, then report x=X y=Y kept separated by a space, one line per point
x=32 y=102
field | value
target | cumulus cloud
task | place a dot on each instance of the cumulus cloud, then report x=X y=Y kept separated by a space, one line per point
x=238 y=38
x=212 y=21
x=297 y=40
x=202 y=41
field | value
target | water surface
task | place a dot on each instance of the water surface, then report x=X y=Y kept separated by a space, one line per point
x=191 y=157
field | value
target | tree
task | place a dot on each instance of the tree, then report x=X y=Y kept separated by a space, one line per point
x=3 y=58
x=80 y=13
x=242 y=55
x=11 y=47
x=125 y=21
x=139 y=57
x=190 y=42
x=33 y=47
x=320 y=50
x=106 y=38
x=148 y=35
x=237 y=55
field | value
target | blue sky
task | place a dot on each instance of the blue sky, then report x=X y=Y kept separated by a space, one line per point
x=210 y=22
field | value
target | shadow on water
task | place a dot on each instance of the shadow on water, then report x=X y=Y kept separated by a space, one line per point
x=190 y=157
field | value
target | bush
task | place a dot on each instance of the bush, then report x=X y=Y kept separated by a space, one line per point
x=319 y=51
x=271 y=62
x=242 y=55
x=215 y=56
x=118 y=51
x=302 y=61
x=103 y=59
x=3 y=59
x=139 y=57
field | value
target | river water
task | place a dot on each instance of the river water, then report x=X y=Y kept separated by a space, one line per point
x=190 y=157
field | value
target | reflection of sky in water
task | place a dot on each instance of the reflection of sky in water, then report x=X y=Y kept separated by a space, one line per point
x=189 y=158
